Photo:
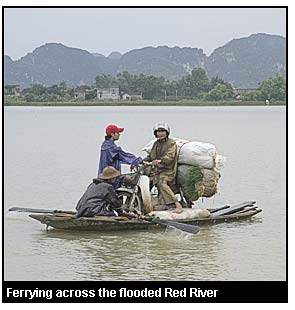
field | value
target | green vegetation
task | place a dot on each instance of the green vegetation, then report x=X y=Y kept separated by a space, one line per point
x=273 y=89
x=192 y=179
x=193 y=86
x=194 y=89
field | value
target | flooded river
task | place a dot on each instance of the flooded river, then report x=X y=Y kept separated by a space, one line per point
x=51 y=155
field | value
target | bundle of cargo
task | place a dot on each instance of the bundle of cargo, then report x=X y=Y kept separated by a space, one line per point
x=197 y=182
x=197 y=170
x=194 y=153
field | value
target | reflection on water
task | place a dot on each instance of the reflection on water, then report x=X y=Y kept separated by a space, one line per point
x=140 y=256
x=58 y=158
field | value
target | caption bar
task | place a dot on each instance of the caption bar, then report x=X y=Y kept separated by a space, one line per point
x=105 y=293
x=144 y=291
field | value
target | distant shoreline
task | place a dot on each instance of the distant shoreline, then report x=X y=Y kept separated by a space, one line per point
x=147 y=103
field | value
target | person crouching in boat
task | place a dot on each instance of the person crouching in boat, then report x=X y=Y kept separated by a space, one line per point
x=100 y=197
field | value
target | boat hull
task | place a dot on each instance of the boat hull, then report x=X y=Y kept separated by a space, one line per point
x=103 y=223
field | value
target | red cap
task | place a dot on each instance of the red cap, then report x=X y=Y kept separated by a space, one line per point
x=112 y=129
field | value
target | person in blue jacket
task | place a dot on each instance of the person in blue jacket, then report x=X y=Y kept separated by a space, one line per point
x=113 y=155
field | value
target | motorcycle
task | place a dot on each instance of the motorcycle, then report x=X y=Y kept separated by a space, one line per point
x=136 y=195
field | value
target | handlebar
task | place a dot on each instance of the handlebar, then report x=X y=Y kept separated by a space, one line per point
x=136 y=168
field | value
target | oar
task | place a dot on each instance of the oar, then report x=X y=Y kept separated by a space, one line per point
x=18 y=209
x=218 y=209
x=192 y=229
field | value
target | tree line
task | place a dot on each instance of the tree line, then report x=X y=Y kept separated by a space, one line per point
x=194 y=86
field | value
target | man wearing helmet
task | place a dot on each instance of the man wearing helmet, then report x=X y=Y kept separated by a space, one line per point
x=113 y=155
x=164 y=162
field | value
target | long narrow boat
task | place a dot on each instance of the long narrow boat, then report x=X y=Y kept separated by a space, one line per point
x=68 y=221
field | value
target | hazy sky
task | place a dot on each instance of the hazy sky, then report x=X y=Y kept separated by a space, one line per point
x=101 y=30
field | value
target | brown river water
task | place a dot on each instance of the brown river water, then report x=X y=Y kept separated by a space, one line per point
x=51 y=155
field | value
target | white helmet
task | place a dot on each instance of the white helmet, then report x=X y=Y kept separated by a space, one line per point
x=163 y=126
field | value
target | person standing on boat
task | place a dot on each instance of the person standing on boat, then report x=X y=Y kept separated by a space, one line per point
x=164 y=163
x=100 y=197
x=113 y=155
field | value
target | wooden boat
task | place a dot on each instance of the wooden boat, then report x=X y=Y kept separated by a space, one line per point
x=68 y=221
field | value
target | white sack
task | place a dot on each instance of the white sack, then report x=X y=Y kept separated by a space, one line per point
x=197 y=153
x=179 y=142
x=220 y=161
x=148 y=147
x=191 y=153
x=187 y=214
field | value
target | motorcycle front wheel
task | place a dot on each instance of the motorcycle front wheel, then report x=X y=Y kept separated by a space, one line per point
x=125 y=197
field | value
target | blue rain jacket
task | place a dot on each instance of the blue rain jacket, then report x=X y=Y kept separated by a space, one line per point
x=113 y=155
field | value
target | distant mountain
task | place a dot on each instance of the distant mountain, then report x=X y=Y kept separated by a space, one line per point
x=52 y=63
x=10 y=70
x=246 y=62
x=172 y=63
x=98 y=55
x=115 y=55
x=243 y=62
